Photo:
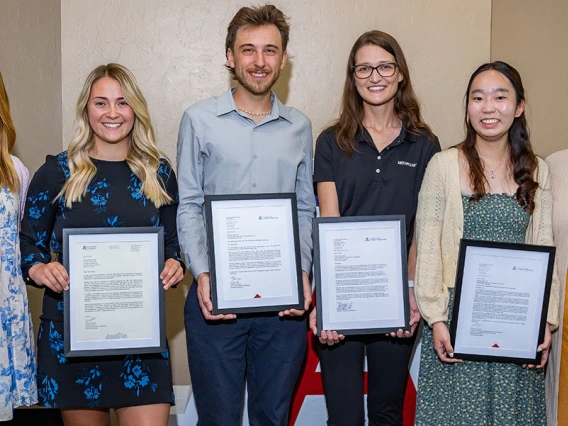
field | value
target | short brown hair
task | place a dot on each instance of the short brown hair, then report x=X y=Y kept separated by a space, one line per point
x=256 y=16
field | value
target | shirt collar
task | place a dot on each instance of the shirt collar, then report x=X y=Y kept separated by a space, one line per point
x=226 y=104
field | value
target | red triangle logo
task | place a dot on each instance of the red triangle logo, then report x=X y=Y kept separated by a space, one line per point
x=495 y=345
x=257 y=296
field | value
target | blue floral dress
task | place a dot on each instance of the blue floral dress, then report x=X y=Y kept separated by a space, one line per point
x=17 y=353
x=481 y=393
x=113 y=198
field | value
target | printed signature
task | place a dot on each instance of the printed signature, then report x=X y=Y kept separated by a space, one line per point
x=344 y=306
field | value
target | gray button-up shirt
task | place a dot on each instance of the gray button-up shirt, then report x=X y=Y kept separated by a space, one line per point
x=222 y=151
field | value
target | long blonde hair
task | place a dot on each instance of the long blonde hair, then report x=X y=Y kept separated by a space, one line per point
x=8 y=174
x=143 y=156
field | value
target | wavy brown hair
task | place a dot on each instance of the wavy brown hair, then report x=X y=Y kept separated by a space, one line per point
x=406 y=105
x=523 y=160
x=8 y=174
x=256 y=16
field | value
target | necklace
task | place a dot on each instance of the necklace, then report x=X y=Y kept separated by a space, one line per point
x=386 y=139
x=257 y=114
x=492 y=174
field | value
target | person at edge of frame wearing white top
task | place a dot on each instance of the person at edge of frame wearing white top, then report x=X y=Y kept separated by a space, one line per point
x=371 y=162
x=244 y=142
x=17 y=352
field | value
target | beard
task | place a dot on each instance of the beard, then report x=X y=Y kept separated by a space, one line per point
x=256 y=88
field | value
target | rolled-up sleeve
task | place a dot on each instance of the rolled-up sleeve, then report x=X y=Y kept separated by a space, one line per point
x=190 y=220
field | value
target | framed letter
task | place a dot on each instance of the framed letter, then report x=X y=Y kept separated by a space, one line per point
x=115 y=301
x=501 y=301
x=361 y=274
x=254 y=253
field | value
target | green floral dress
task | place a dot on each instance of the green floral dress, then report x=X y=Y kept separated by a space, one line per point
x=481 y=393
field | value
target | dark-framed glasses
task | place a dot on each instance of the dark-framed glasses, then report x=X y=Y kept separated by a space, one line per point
x=386 y=69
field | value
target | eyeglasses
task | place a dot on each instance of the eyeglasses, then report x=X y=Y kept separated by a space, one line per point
x=386 y=69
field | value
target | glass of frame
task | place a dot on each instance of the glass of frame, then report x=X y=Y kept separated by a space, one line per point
x=501 y=301
x=361 y=274
x=115 y=301
x=254 y=253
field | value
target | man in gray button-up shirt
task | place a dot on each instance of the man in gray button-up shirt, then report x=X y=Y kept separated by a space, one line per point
x=244 y=142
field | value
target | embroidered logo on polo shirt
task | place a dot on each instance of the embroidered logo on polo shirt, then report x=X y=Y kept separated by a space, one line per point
x=404 y=163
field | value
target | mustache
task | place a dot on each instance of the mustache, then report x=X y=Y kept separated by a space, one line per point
x=259 y=69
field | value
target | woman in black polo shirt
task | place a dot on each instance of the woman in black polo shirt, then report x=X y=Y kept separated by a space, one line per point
x=371 y=162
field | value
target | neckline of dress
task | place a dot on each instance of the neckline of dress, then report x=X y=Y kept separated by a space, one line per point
x=107 y=161
x=491 y=193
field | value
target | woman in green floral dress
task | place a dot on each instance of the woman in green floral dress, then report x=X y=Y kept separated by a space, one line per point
x=489 y=187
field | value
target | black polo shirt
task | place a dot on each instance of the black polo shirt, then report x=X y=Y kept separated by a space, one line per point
x=370 y=182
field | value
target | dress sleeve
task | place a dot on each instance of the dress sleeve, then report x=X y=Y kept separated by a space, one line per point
x=39 y=215
x=432 y=296
x=168 y=213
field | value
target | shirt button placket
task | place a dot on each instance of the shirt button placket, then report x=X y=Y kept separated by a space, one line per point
x=255 y=166
x=378 y=169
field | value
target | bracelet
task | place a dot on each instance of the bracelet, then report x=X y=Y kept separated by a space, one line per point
x=410 y=283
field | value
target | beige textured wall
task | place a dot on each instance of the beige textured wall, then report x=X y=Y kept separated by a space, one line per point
x=30 y=61
x=176 y=50
x=532 y=36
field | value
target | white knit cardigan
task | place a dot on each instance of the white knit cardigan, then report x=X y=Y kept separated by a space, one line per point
x=439 y=228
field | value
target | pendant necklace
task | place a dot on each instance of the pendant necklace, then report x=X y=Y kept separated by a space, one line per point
x=492 y=174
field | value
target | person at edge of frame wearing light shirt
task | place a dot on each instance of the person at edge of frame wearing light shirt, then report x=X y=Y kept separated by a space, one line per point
x=556 y=380
x=244 y=142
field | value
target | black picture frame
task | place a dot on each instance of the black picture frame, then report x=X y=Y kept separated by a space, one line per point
x=117 y=346
x=213 y=202
x=540 y=314
x=320 y=287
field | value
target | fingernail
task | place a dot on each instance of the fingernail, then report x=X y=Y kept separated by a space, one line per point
x=451 y=355
x=539 y=349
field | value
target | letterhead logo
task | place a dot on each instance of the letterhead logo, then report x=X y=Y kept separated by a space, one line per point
x=375 y=239
x=522 y=268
